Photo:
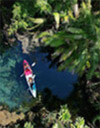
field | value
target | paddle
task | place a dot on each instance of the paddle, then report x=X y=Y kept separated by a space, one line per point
x=33 y=64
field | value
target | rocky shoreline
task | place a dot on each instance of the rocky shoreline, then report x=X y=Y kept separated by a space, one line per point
x=28 y=42
x=8 y=118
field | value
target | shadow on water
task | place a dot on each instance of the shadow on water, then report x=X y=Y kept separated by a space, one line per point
x=13 y=88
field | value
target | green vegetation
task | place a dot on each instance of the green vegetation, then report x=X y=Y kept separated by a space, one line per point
x=64 y=120
x=74 y=41
x=28 y=125
x=54 y=119
x=33 y=14
x=78 y=48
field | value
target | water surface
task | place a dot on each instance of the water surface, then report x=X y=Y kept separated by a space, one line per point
x=13 y=89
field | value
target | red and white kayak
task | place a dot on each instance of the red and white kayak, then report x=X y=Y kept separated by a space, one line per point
x=29 y=74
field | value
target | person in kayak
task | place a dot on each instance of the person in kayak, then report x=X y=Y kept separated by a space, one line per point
x=27 y=68
x=31 y=81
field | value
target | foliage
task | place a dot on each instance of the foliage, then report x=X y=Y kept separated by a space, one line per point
x=5 y=15
x=94 y=99
x=97 y=118
x=61 y=5
x=49 y=118
x=65 y=121
x=62 y=119
x=79 y=123
x=43 y=6
x=23 y=16
x=28 y=125
x=25 y=13
x=58 y=125
x=57 y=19
x=3 y=47
x=78 y=47
x=64 y=114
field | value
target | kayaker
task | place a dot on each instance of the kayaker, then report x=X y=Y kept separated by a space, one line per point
x=31 y=81
x=26 y=67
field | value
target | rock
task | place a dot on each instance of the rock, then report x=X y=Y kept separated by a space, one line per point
x=28 y=42
x=7 y=118
x=24 y=41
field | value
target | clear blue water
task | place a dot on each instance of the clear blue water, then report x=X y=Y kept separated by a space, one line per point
x=13 y=89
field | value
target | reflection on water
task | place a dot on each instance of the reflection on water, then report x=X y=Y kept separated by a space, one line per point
x=13 y=89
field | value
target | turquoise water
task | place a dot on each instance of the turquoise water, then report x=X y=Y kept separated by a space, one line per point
x=13 y=89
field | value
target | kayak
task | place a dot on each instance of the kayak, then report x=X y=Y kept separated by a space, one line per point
x=29 y=74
